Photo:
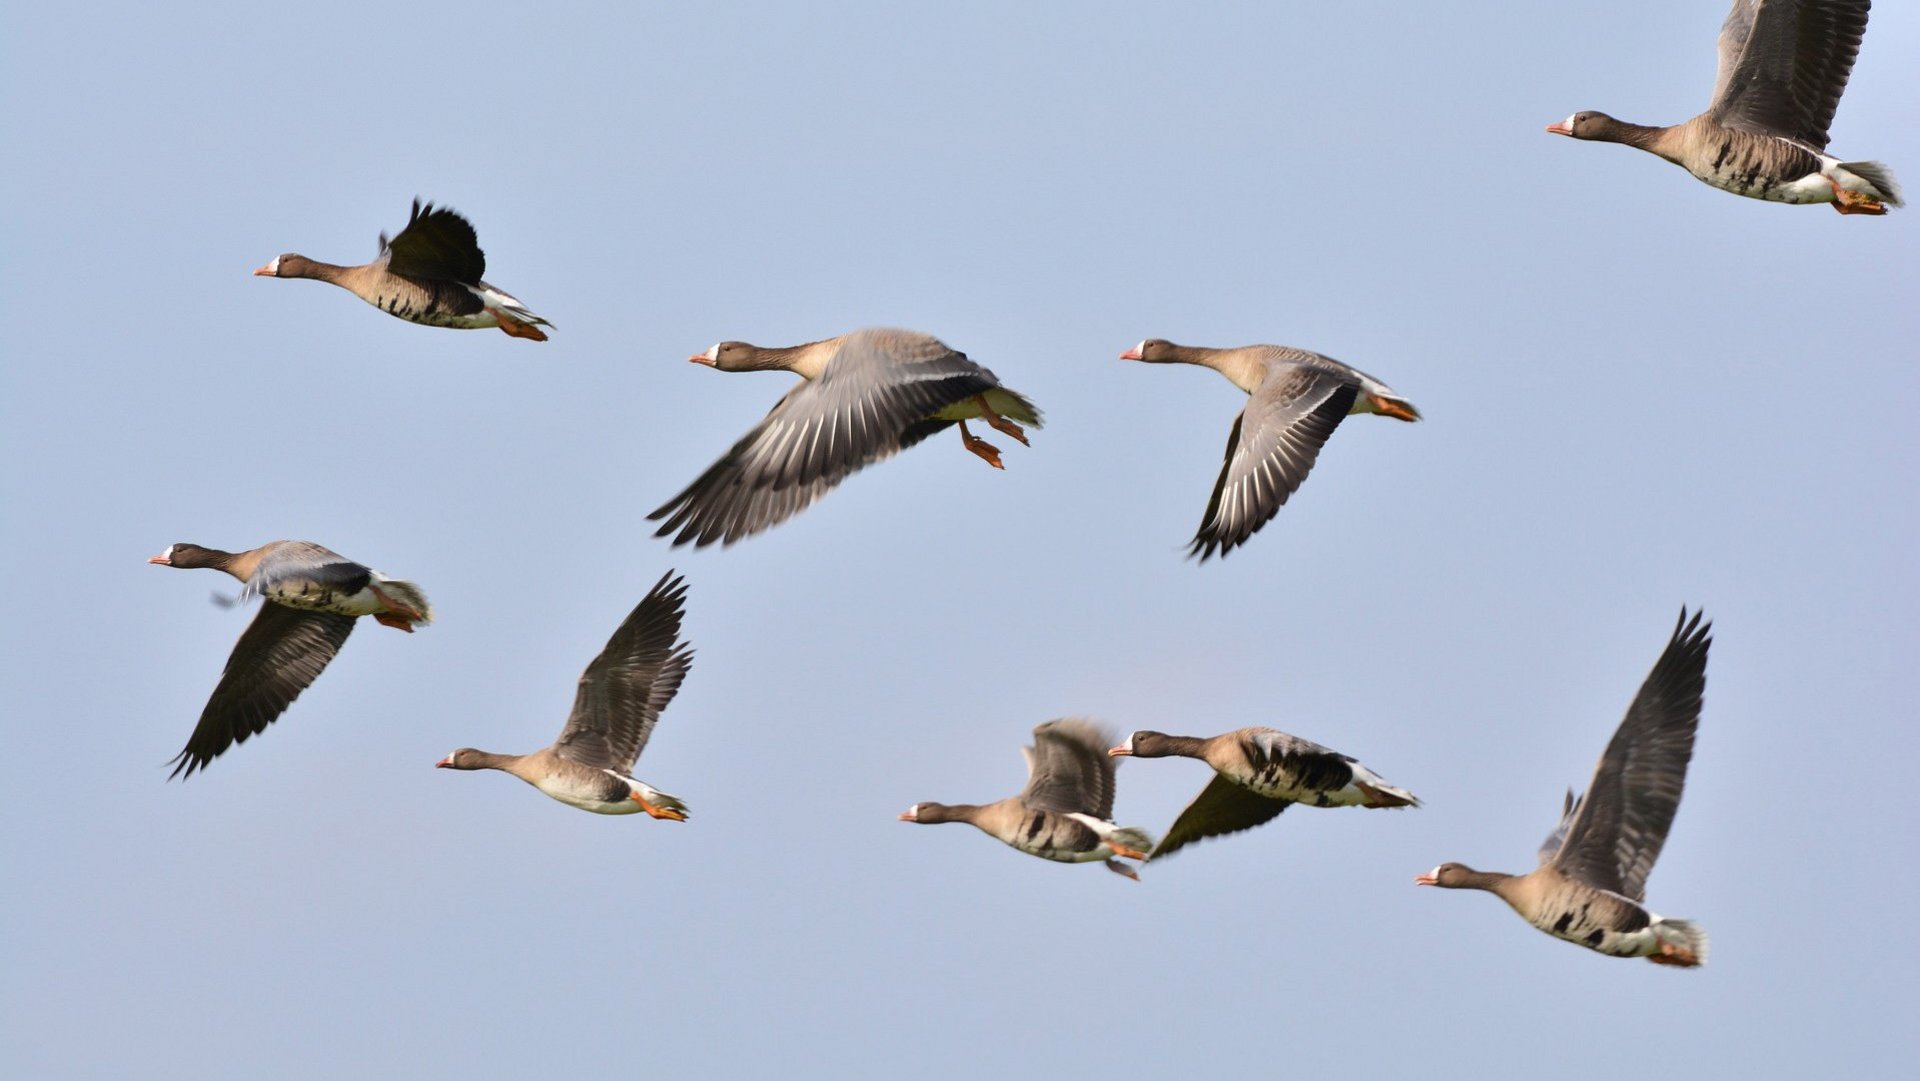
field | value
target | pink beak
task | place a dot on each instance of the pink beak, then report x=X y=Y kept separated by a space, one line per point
x=1120 y=751
x=1426 y=878
x=161 y=560
x=1131 y=354
x=701 y=358
x=265 y=272
x=444 y=763
x=1561 y=128
x=907 y=816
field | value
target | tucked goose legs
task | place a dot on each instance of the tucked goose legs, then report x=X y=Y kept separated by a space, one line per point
x=515 y=328
x=1853 y=202
x=399 y=615
x=669 y=813
x=999 y=423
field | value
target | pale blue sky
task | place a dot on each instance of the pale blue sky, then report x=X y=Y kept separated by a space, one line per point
x=1640 y=393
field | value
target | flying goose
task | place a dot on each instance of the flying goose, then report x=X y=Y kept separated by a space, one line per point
x=1259 y=772
x=1591 y=886
x=429 y=274
x=621 y=696
x=1065 y=811
x=312 y=596
x=1295 y=401
x=863 y=396
x=1783 y=66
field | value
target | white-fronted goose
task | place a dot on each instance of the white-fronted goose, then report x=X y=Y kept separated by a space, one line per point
x=1783 y=66
x=429 y=274
x=620 y=698
x=1065 y=813
x=1260 y=772
x=1295 y=401
x=311 y=598
x=863 y=396
x=1591 y=886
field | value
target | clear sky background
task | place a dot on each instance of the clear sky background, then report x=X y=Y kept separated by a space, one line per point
x=1640 y=393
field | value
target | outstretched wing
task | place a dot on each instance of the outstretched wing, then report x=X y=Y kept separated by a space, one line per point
x=1272 y=447
x=437 y=244
x=279 y=655
x=1784 y=65
x=1616 y=830
x=623 y=692
x=1069 y=769
x=1221 y=808
x=876 y=396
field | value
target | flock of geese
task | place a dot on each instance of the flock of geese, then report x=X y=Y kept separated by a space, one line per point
x=868 y=394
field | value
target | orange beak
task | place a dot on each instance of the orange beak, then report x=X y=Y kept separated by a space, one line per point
x=1120 y=752
x=265 y=272
x=701 y=358
x=1562 y=128
x=1131 y=354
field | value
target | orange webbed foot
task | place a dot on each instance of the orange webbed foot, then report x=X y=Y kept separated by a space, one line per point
x=979 y=446
x=999 y=423
x=515 y=328
x=398 y=623
x=667 y=813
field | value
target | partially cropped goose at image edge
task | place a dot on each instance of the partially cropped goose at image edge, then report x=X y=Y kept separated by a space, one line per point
x=311 y=597
x=1258 y=773
x=1783 y=66
x=1065 y=813
x=620 y=698
x=430 y=274
x=862 y=397
x=1296 y=399
x=1591 y=886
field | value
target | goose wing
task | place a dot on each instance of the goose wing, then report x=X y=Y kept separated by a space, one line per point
x=1272 y=447
x=437 y=244
x=624 y=690
x=1784 y=65
x=1614 y=832
x=279 y=655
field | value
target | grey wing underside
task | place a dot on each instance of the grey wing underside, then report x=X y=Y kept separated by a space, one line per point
x=1272 y=447
x=1611 y=835
x=1784 y=65
x=279 y=655
x=1069 y=770
x=625 y=689
x=869 y=404
x=1221 y=808
x=437 y=245
x=290 y=565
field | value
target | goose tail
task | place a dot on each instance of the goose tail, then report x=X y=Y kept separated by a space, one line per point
x=1682 y=943
x=407 y=600
x=1880 y=177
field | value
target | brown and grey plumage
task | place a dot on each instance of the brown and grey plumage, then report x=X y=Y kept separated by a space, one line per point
x=1783 y=67
x=1295 y=400
x=863 y=397
x=619 y=700
x=430 y=274
x=1258 y=773
x=1591 y=885
x=311 y=597
x=1065 y=811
